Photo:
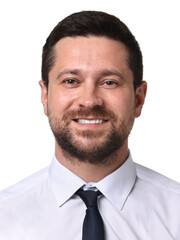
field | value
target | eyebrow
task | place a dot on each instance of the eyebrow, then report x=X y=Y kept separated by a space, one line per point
x=102 y=73
x=106 y=73
x=68 y=71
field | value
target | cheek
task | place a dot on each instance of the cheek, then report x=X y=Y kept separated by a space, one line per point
x=58 y=102
x=121 y=104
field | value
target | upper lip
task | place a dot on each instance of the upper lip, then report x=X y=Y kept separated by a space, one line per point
x=90 y=118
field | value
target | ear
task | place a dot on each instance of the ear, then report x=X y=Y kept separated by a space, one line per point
x=44 y=96
x=140 y=98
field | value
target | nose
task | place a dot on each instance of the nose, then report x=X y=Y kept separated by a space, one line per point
x=90 y=97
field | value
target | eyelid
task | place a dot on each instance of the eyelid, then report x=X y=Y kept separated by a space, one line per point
x=112 y=81
x=67 y=84
x=70 y=79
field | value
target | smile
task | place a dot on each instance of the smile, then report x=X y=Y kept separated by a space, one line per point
x=94 y=121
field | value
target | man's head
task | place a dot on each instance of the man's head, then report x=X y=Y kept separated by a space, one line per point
x=92 y=23
x=92 y=86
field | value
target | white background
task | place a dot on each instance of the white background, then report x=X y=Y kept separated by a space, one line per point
x=26 y=142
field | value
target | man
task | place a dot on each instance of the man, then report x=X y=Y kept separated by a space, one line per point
x=92 y=90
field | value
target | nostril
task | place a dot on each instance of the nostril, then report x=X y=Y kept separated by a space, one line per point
x=89 y=98
x=91 y=103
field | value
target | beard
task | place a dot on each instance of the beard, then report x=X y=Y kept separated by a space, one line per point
x=91 y=149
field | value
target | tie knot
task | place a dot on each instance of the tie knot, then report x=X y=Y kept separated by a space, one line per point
x=89 y=197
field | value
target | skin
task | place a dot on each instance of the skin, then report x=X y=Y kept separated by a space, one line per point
x=91 y=71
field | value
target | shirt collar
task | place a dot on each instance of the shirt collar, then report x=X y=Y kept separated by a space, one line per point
x=64 y=183
x=115 y=187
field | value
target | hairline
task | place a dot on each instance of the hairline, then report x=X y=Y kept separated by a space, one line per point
x=52 y=52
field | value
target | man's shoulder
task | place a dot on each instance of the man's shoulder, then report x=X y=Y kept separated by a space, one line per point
x=22 y=204
x=24 y=185
x=157 y=180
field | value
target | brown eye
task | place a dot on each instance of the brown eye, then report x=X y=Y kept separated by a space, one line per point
x=70 y=81
x=110 y=83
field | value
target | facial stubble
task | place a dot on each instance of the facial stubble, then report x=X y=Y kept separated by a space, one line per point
x=92 y=149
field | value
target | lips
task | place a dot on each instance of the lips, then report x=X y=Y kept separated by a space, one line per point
x=90 y=121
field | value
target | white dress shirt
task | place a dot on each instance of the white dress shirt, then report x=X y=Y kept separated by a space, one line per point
x=137 y=204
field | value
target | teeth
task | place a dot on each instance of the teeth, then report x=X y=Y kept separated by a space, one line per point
x=85 y=121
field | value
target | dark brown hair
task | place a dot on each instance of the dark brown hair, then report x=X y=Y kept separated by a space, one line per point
x=94 y=23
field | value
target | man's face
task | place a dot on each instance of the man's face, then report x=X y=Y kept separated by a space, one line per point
x=91 y=102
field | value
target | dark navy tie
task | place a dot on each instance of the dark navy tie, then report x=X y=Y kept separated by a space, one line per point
x=93 y=228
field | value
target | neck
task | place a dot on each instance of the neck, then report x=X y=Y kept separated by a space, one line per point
x=93 y=172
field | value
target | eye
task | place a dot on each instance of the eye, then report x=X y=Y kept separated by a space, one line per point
x=70 y=81
x=109 y=84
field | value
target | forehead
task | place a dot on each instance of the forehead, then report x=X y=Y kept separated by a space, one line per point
x=89 y=40
x=93 y=45
x=90 y=53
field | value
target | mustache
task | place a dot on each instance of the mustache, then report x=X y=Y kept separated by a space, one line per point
x=96 y=111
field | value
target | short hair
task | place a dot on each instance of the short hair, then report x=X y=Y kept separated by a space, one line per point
x=93 y=23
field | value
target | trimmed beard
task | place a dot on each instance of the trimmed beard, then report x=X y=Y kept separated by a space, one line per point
x=100 y=152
